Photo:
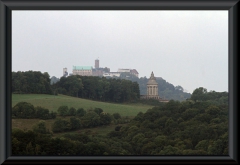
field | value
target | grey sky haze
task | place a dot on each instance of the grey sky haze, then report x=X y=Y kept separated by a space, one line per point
x=187 y=48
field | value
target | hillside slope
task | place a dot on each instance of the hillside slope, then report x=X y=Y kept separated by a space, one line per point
x=52 y=103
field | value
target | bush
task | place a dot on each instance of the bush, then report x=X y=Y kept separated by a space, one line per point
x=23 y=110
x=117 y=128
x=75 y=123
x=42 y=113
x=98 y=111
x=63 y=110
x=52 y=115
x=72 y=111
x=117 y=116
x=40 y=127
x=80 y=112
x=105 y=118
x=61 y=125
x=91 y=119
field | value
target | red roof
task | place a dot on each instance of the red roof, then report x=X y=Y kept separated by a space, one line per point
x=134 y=71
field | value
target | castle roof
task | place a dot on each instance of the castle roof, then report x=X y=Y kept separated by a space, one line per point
x=134 y=71
x=82 y=68
x=152 y=80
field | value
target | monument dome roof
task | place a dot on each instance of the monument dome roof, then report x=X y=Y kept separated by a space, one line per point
x=152 y=80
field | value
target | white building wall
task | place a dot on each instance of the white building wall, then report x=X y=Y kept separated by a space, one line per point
x=110 y=74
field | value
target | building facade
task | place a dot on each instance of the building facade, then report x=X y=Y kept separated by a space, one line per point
x=111 y=74
x=98 y=71
x=131 y=71
x=82 y=70
x=152 y=90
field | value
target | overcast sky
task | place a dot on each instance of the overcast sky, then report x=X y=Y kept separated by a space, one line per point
x=186 y=48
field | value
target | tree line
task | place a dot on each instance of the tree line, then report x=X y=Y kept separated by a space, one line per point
x=79 y=118
x=89 y=87
x=31 y=82
x=98 y=88
x=125 y=88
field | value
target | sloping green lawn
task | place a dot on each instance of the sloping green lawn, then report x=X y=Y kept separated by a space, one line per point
x=52 y=103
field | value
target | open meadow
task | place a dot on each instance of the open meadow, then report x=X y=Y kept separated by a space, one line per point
x=53 y=102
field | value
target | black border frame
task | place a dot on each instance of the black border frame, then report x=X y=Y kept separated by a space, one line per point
x=6 y=6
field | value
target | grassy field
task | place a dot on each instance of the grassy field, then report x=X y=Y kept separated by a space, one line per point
x=52 y=103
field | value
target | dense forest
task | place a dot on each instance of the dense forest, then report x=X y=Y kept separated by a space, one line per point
x=97 y=88
x=197 y=126
x=31 y=82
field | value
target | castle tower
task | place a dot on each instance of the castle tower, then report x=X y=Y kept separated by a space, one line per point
x=96 y=63
x=64 y=71
x=152 y=87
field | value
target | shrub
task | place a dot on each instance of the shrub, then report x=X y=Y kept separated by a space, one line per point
x=40 y=127
x=63 y=110
x=98 y=111
x=52 y=115
x=75 y=123
x=61 y=125
x=23 y=110
x=117 y=116
x=91 y=119
x=72 y=111
x=80 y=112
x=105 y=118
x=117 y=128
x=42 y=113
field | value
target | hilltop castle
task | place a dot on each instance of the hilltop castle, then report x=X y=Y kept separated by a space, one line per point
x=97 y=71
x=152 y=90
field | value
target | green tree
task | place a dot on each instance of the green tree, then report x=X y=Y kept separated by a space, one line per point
x=80 y=112
x=190 y=113
x=199 y=94
x=98 y=111
x=75 y=123
x=52 y=115
x=23 y=110
x=61 y=125
x=42 y=113
x=40 y=127
x=63 y=110
x=105 y=118
x=29 y=149
x=116 y=116
x=170 y=150
x=213 y=110
x=91 y=119
x=72 y=111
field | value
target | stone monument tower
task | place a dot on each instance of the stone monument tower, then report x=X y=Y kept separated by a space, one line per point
x=152 y=88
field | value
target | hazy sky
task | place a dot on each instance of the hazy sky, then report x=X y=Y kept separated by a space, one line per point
x=187 y=48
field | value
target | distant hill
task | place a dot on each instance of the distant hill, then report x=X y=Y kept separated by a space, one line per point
x=165 y=89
